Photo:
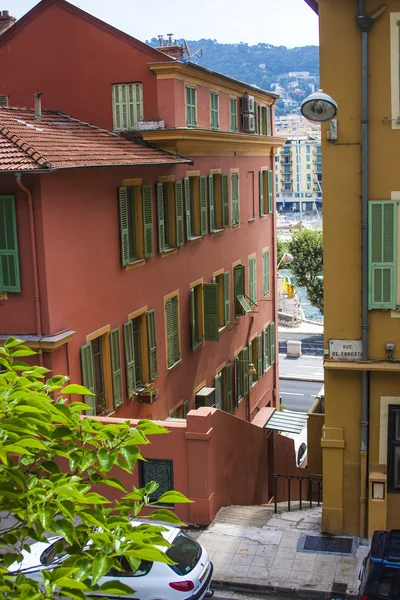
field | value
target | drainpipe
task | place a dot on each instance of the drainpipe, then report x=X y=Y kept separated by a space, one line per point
x=365 y=24
x=34 y=261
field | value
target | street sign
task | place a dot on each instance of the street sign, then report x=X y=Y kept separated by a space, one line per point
x=345 y=350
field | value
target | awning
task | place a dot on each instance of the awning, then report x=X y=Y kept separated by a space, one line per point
x=287 y=420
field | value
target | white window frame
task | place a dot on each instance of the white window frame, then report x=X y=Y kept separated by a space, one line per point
x=127 y=121
x=394 y=68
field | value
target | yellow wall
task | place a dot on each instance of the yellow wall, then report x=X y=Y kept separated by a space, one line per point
x=340 y=53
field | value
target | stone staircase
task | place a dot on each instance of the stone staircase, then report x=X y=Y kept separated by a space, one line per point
x=256 y=516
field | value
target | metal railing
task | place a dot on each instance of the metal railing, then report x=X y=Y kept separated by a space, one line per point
x=309 y=348
x=314 y=483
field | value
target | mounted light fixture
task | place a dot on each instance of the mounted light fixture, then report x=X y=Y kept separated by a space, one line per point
x=319 y=107
x=286 y=259
x=251 y=370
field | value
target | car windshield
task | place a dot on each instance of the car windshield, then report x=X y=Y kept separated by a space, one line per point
x=185 y=552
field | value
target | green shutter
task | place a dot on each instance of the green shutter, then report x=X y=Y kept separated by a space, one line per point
x=190 y=106
x=170 y=332
x=152 y=344
x=211 y=202
x=382 y=254
x=175 y=328
x=9 y=260
x=260 y=356
x=88 y=376
x=225 y=200
x=185 y=408
x=235 y=198
x=245 y=375
x=270 y=196
x=265 y=273
x=252 y=280
x=255 y=117
x=214 y=110
x=241 y=304
x=123 y=220
x=262 y=212
x=228 y=388
x=233 y=114
x=218 y=390
x=179 y=213
x=227 y=298
x=193 y=317
x=189 y=232
x=211 y=312
x=147 y=197
x=129 y=359
x=116 y=367
x=260 y=120
x=203 y=205
x=266 y=349
x=268 y=120
x=160 y=213
x=272 y=343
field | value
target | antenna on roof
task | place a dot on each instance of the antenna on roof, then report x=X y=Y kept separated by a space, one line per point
x=199 y=52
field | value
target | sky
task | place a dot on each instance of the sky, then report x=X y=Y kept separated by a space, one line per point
x=278 y=22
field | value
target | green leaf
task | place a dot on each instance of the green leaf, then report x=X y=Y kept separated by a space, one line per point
x=72 y=584
x=166 y=515
x=101 y=566
x=113 y=482
x=173 y=497
x=65 y=529
x=151 y=487
x=150 y=553
x=149 y=427
x=106 y=459
x=66 y=507
x=70 y=593
x=9 y=558
x=76 y=389
x=32 y=443
x=93 y=517
x=130 y=454
x=23 y=351
x=46 y=516
x=11 y=342
x=116 y=587
x=61 y=573
x=50 y=466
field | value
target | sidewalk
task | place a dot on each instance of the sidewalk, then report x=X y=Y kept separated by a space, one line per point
x=253 y=556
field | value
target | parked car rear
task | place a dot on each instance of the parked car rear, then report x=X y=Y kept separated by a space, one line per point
x=380 y=571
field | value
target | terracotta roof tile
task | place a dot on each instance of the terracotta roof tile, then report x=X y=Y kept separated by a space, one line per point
x=59 y=141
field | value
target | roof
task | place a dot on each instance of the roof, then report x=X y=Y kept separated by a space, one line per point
x=45 y=4
x=312 y=4
x=59 y=141
x=287 y=420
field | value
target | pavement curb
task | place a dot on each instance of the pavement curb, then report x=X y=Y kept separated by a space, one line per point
x=299 y=378
x=265 y=588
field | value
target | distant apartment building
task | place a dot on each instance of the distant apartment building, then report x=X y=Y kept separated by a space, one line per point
x=298 y=173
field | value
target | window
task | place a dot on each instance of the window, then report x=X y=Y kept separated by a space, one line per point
x=196 y=206
x=252 y=281
x=382 y=254
x=394 y=68
x=100 y=358
x=204 y=310
x=9 y=260
x=265 y=272
x=260 y=122
x=268 y=346
x=218 y=201
x=191 y=118
x=140 y=351
x=256 y=358
x=3 y=100
x=394 y=448
x=136 y=223
x=235 y=198
x=268 y=120
x=241 y=374
x=252 y=206
x=172 y=330
x=160 y=471
x=266 y=193
x=214 y=110
x=308 y=167
x=241 y=304
x=181 y=411
x=233 y=114
x=223 y=389
x=127 y=104
x=223 y=285
x=170 y=215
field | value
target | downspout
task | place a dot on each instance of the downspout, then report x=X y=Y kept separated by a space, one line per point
x=34 y=261
x=365 y=24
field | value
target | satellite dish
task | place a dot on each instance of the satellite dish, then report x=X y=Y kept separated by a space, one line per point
x=198 y=53
x=319 y=108
x=186 y=48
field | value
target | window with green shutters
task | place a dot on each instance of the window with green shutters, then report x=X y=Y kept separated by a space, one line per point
x=214 y=110
x=241 y=374
x=169 y=215
x=116 y=368
x=265 y=272
x=191 y=106
x=136 y=223
x=127 y=104
x=172 y=331
x=179 y=229
x=235 y=198
x=9 y=259
x=272 y=343
x=266 y=349
x=204 y=313
x=382 y=254
x=268 y=120
x=195 y=206
x=224 y=294
x=218 y=202
x=260 y=120
x=241 y=304
x=266 y=195
x=233 y=114
x=197 y=315
x=140 y=345
x=252 y=281
x=223 y=389
x=219 y=390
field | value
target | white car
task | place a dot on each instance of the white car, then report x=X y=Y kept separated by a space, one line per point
x=300 y=447
x=188 y=579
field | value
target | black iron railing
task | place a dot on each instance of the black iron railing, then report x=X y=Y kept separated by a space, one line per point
x=314 y=490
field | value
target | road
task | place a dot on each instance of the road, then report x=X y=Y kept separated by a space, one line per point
x=312 y=343
x=227 y=595
x=304 y=367
x=298 y=395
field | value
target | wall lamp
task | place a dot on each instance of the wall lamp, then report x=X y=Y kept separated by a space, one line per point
x=286 y=259
x=251 y=370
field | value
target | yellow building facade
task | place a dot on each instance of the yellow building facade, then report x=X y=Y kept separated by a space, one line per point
x=361 y=482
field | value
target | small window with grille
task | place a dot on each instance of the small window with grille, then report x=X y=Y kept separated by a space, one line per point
x=3 y=100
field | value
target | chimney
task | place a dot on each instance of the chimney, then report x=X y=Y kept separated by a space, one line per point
x=38 y=106
x=170 y=47
x=6 y=21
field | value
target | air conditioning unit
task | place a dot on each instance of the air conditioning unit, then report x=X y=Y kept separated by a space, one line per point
x=248 y=104
x=248 y=124
x=205 y=397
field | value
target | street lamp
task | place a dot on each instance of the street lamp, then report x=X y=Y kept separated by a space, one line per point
x=286 y=259
x=319 y=107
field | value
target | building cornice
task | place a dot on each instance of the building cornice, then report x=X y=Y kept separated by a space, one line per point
x=46 y=343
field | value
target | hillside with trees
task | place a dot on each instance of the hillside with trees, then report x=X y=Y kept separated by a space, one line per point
x=263 y=65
